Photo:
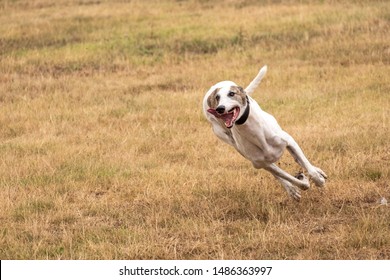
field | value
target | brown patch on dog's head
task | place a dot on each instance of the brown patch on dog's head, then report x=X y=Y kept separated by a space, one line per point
x=239 y=94
x=212 y=99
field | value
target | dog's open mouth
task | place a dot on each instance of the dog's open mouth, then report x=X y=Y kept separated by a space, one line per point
x=229 y=118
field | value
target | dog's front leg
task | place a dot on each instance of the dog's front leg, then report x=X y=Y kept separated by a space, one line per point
x=290 y=188
x=280 y=173
x=316 y=174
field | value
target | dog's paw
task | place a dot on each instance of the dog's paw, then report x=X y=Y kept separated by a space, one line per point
x=301 y=177
x=319 y=177
x=292 y=191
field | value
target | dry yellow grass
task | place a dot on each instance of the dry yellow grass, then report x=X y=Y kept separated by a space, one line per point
x=105 y=154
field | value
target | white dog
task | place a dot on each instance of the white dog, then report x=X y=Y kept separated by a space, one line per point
x=238 y=120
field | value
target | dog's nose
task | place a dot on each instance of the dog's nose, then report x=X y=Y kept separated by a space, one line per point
x=220 y=109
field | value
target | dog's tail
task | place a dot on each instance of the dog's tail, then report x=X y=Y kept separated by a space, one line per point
x=256 y=81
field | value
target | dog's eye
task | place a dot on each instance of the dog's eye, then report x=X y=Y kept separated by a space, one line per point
x=217 y=97
x=231 y=93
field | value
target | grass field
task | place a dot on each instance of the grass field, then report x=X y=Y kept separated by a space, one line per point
x=105 y=153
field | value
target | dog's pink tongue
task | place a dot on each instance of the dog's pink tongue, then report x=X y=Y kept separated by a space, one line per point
x=228 y=119
x=213 y=112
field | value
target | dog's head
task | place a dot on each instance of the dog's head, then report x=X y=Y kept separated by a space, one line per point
x=227 y=102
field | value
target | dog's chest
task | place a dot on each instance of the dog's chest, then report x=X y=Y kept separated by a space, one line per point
x=248 y=141
x=255 y=144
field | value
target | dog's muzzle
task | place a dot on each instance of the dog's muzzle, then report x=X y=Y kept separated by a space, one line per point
x=220 y=109
x=228 y=118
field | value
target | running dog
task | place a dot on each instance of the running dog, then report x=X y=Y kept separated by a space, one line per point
x=238 y=120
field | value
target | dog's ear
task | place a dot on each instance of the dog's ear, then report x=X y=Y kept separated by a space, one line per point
x=212 y=100
x=242 y=94
x=242 y=91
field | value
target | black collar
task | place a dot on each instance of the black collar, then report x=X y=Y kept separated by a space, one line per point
x=244 y=116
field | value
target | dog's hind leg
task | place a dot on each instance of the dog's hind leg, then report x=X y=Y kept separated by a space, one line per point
x=316 y=174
